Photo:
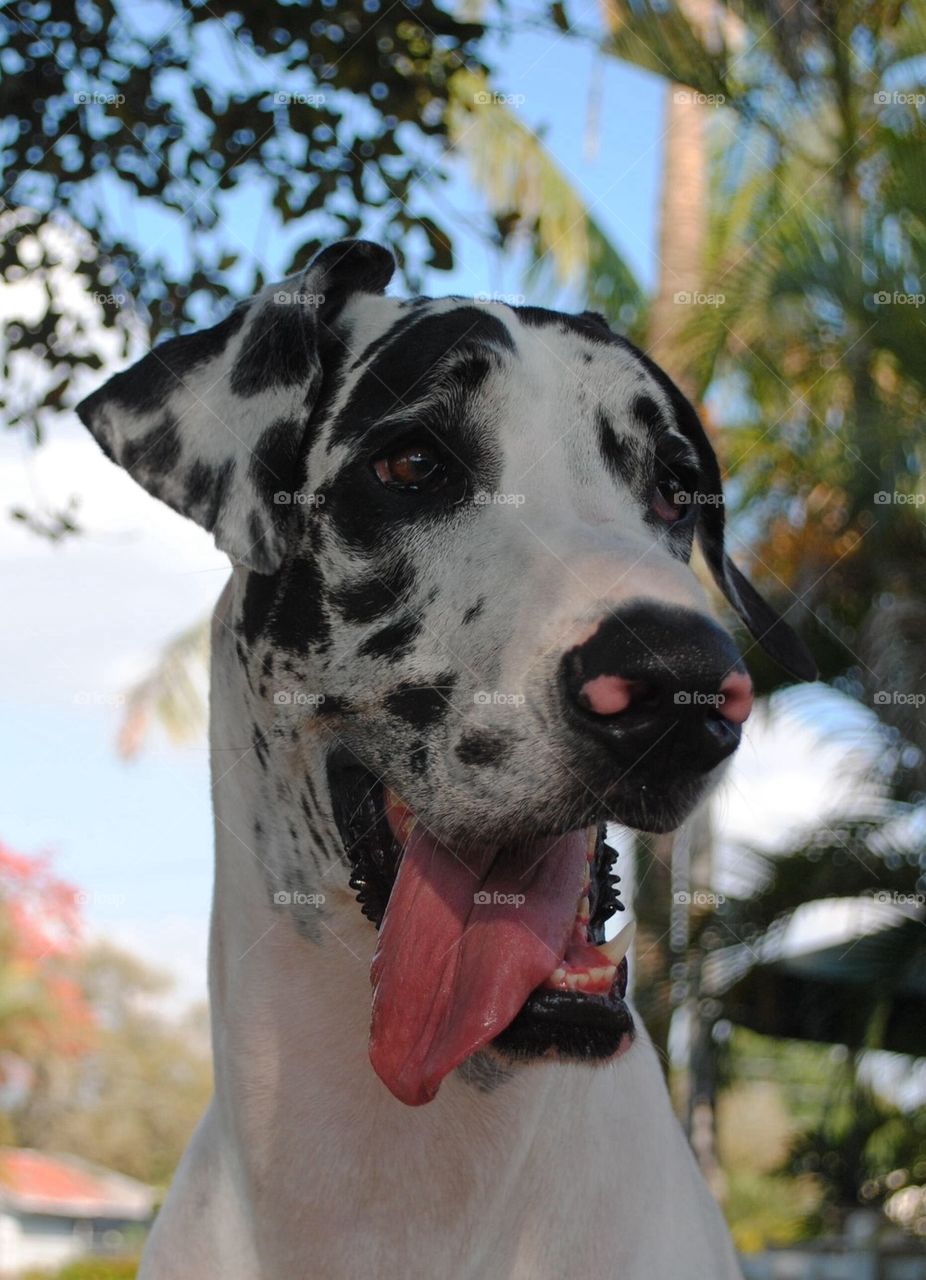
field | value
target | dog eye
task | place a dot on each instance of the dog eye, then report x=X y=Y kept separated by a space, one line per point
x=673 y=496
x=416 y=468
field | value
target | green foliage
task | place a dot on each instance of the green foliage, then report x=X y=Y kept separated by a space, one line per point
x=108 y=1105
x=129 y=132
x=862 y=1151
x=534 y=202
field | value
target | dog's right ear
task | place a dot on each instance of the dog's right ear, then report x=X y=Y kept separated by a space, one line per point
x=212 y=422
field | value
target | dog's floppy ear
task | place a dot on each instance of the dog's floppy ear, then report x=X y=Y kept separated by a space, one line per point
x=764 y=624
x=213 y=422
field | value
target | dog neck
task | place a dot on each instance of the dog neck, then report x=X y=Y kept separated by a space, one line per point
x=508 y=1170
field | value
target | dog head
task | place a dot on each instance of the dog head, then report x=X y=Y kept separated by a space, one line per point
x=463 y=532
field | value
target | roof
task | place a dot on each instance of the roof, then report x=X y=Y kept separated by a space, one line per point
x=35 y=1182
x=828 y=978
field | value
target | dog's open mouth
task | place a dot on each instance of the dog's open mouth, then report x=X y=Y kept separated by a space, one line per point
x=493 y=945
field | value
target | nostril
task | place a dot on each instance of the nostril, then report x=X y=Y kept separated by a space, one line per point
x=610 y=695
x=737 y=693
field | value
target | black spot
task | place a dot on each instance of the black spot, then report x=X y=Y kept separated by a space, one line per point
x=278 y=350
x=299 y=621
x=206 y=489
x=260 y=747
x=422 y=705
x=418 y=759
x=483 y=747
x=147 y=385
x=273 y=465
x=473 y=612
x=392 y=334
x=393 y=642
x=615 y=452
x=155 y=453
x=334 y=705
x=466 y=338
x=260 y=593
x=375 y=595
x=646 y=410
x=589 y=324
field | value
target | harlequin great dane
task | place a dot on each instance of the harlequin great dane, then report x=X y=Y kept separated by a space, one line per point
x=461 y=633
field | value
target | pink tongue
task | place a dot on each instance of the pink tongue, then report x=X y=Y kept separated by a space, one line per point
x=460 y=949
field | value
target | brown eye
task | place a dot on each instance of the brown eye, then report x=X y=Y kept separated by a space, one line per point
x=672 y=498
x=416 y=468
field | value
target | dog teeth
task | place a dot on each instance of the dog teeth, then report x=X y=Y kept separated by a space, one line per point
x=585 y=909
x=591 y=842
x=618 y=947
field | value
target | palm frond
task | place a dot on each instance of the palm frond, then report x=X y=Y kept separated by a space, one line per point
x=173 y=694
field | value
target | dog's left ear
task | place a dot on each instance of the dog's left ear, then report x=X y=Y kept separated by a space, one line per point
x=213 y=423
x=766 y=626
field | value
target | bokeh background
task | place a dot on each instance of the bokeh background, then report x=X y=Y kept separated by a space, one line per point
x=739 y=187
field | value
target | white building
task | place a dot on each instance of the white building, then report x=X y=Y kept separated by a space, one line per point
x=56 y=1208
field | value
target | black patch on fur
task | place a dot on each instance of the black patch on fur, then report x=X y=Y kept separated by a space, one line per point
x=156 y=452
x=483 y=747
x=418 y=759
x=392 y=334
x=260 y=593
x=278 y=350
x=614 y=451
x=406 y=371
x=206 y=488
x=474 y=611
x=260 y=747
x=422 y=705
x=146 y=386
x=272 y=468
x=393 y=642
x=589 y=324
x=334 y=705
x=373 y=596
x=646 y=410
x=299 y=622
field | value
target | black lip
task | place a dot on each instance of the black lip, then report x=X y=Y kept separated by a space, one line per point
x=582 y=1027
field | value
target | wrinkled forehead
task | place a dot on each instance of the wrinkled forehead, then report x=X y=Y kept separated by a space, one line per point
x=541 y=374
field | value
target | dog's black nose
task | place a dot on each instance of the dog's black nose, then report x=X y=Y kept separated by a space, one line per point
x=661 y=682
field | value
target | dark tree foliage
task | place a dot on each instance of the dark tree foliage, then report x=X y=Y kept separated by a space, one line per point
x=129 y=129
